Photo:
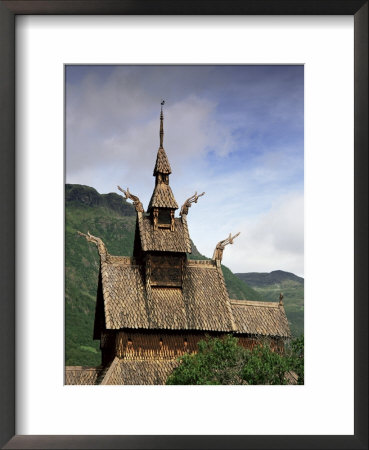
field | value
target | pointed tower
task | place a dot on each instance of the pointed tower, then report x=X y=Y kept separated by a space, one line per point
x=162 y=241
x=162 y=204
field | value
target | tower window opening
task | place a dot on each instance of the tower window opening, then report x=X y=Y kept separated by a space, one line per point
x=164 y=217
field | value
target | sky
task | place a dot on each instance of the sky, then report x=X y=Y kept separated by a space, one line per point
x=233 y=132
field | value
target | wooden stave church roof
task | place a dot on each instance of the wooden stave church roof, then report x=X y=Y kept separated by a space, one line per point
x=128 y=303
x=162 y=197
x=162 y=163
x=164 y=240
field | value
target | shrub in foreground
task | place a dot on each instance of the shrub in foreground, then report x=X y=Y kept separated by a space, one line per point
x=223 y=361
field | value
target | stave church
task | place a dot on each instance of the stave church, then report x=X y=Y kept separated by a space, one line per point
x=155 y=306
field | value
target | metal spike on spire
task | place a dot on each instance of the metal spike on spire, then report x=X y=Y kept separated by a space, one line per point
x=161 y=124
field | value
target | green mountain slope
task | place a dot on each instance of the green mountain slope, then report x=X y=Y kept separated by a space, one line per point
x=269 y=286
x=111 y=218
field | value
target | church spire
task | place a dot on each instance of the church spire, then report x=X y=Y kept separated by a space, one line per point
x=161 y=124
x=162 y=165
x=162 y=196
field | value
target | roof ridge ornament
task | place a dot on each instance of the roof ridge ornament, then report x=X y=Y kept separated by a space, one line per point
x=136 y=201
x=281 y=296
x=99 y=244
x=218 y=252
x=187 y=203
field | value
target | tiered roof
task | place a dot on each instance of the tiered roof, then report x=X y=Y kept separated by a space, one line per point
x=201 y=304
x=162 y=196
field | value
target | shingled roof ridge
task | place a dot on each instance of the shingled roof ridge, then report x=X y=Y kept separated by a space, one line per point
x=118 y=259
x=254 y=303
x=109 y=371
x=228 y=304
x=202 y=263
x=183 y=219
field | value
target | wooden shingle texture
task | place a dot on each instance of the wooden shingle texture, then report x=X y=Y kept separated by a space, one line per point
x=139 y=372
x=164 y=240
x=260 y=318
x=162 y=197
x=81 y=375
x=162 y=163
x=129 y=303
x=124 y=296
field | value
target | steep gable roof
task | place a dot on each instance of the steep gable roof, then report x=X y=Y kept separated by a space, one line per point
x=162 y=197
x=162 y=163
x=202 y=303
x=128 y=302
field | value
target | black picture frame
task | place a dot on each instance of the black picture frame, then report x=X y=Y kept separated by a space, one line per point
x=8 y=12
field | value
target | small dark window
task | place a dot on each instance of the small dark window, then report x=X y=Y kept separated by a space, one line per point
x=164 y=217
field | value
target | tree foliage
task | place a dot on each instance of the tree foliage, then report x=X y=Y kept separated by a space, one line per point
x=222 y=361
x=295 y=352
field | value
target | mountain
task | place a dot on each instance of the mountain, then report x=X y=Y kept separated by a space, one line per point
x=113 y=219
x=270 y=285
x=260 y=279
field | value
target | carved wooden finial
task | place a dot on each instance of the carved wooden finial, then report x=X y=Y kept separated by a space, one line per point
x=98 y=242
x=281 y=299
x=218 y=252
x=187 y=203
x=136 y=201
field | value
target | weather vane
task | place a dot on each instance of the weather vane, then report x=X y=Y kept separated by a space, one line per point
x=162 y=102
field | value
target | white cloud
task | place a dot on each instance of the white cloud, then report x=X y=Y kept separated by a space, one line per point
x=274 y=240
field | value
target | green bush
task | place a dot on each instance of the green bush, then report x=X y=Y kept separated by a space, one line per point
x=223 y=361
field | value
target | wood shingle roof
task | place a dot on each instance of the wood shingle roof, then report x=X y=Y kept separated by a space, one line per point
x=139 y=372
x=260 y=318
x=130 y=303
x=201 y=304
x=162 y=197
x=162 y=163
x=81 y=374
x=164 y=240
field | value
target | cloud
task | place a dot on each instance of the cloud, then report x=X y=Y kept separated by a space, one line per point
x=274 y=240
